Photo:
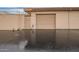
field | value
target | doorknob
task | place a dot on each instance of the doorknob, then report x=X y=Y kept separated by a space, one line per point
x=32 y=25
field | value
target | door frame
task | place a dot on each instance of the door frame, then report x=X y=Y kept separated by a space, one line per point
x=47 y=14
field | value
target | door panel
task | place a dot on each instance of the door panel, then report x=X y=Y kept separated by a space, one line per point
x=45 y=21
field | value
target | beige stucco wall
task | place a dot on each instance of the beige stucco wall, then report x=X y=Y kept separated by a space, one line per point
x=10 y=22
x=74 y=20
x=61 y=19
x=64 y=20
x=27 y=23
x=33 y=20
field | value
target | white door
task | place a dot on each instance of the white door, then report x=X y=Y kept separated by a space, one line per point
x=45 y=21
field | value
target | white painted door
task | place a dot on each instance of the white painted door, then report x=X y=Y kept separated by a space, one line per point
x=45 y=21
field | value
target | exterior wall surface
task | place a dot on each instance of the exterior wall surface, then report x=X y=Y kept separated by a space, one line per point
x=74 y=20
x=61 y=19
x=64 y=19
x=11 y=22
x=27 y=23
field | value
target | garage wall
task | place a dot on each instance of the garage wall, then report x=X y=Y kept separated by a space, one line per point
x=10 y=22
x=33 y=20
x=64 y=19
x=74 y=20
x=61 y=19
x=27 y=23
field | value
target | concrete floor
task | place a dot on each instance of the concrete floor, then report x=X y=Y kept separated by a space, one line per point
x=39 y=41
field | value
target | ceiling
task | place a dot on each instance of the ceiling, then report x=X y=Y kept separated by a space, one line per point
x=52 y=9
